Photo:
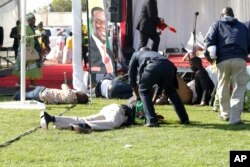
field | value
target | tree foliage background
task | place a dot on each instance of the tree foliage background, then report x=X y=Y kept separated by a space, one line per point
x=65 y=5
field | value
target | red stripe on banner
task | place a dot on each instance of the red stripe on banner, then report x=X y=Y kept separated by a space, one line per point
x=53 y=76
x=123 y=24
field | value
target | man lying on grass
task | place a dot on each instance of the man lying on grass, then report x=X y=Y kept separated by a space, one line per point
x=55 y=96
x=110 y=117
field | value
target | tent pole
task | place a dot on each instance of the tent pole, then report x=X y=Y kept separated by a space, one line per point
x=89 y=56
x=78 y=73
x=23 y=50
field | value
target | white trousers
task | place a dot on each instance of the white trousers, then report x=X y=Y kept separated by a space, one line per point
x=233 y=73
x=110 y=117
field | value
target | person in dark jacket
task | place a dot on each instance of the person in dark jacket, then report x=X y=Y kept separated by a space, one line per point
x=15 y=33
x=204 y=86
x=147 y=24
x=232 y=42
x=248 y=26
x=151 y=68
x=1 y=37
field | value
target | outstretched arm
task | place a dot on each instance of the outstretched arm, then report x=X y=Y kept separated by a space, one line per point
x=65 y=86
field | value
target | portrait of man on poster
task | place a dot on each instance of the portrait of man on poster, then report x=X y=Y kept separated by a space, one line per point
x=100 y=56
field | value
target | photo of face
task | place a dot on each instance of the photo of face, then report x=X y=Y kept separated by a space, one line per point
x=99 y=25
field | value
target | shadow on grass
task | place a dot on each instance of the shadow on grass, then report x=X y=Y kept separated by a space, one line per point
x=221 y=126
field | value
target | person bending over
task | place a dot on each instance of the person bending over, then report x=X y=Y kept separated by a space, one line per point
x=152 y=68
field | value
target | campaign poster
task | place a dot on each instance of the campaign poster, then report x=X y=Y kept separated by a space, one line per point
x=101 y=58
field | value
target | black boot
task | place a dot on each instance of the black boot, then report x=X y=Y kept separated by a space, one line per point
x=45 y=120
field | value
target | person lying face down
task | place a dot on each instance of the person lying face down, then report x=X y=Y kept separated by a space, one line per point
x=55 y=96
x=110 y=117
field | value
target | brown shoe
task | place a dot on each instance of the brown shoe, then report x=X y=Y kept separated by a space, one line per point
x=159 y=117
x=81 y=128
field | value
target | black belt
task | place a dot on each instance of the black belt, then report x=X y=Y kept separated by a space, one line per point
x=43 y=90
x=126 y=110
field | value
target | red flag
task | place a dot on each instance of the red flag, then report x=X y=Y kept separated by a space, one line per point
x=163 y=25
x=171 y=29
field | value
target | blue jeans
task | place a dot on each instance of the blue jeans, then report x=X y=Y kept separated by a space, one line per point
x=32 y=95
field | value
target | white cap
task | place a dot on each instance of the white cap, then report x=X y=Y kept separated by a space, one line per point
x=212 y=51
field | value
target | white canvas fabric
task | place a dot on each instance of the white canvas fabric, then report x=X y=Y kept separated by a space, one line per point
x=180 y=15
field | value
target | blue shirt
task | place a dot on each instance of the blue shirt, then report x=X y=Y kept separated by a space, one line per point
x=230 y=37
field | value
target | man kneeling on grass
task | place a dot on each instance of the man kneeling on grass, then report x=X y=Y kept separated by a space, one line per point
x=110 y=117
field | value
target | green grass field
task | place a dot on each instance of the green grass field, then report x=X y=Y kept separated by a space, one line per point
x=207 y=141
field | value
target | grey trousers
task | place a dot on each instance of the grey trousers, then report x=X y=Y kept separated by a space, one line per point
x=110 y=117
x=232 y=71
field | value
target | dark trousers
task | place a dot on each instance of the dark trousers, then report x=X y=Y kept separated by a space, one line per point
x=144 y=40
x=120 y=89
x=163 y=74
x=16 y=51
x=178 y=105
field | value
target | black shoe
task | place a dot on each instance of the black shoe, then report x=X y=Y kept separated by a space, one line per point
x=16 y=96
x=185 y=122
x=156 y=124
x=45 y=120
x=223 y=118
x=81 y=128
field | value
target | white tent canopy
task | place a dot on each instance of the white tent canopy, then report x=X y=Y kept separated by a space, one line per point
x=9 y=15
x=177 y=13
x=78 y=73
x=180 y=14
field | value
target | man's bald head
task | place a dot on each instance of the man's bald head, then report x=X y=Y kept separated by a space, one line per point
x=227 y=11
